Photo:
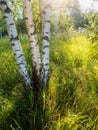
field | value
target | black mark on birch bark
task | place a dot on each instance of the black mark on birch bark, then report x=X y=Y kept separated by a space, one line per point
x=3 y=2
x=19 y=56
x=46 y=47
x=46 y=38
x=14 y=38
x=7 y=10
x=11 y=23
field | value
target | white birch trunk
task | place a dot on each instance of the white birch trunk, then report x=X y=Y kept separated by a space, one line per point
x=11 y=28
x=46 y=42
x=32 y=37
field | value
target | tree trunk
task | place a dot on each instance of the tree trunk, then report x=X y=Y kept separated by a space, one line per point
x=36 y=59
x=57 y=20
x=11 y=28
x=1 y=35
x=46 y=41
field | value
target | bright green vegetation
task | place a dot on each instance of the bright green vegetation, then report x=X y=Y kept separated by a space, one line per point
x=72 y=101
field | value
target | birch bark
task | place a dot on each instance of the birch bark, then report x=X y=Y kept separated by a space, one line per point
x=11 y=28
x=46 y=42
x=32 y=36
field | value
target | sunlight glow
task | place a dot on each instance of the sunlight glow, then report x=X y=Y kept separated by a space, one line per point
x=85 y=4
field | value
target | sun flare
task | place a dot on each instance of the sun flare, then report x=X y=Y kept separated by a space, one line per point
x=88 y=4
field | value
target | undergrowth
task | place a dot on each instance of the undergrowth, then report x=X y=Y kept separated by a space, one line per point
x=71 y=102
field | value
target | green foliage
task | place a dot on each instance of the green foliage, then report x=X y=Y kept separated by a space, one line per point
x=21 y=26
x=17 y=9
x=1 y=17
x=2 y=25
x=71 y=102
x=37 y=15
x=75 y=13
x=66 y=23
x=92 y=25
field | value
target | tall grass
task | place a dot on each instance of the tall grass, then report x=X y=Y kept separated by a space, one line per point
x=71 y=102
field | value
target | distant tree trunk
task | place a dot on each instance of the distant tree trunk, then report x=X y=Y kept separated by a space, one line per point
x=36 y=59
x=11 y=28
x=1 y=34
x=57 y=20
x=46 y=40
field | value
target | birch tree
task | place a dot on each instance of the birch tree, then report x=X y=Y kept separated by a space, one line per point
x=40 y=63
x=36 y=59
x=15 y=43
x=46 y=15
x=46 y=40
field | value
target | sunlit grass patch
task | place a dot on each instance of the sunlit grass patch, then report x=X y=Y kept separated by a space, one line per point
x=4 y=45
x=73 y=121
x=79 y=50
x=96 y=71
x=6 y=107
x=8 y=70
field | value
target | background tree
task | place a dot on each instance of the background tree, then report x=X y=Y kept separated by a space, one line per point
x=92 y=25
x=3 y=30
x=66 y=23
x=17 y=9
x=36 y=11
x=73 y=9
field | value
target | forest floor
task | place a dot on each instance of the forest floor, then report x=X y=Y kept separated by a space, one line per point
x=72 y=100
